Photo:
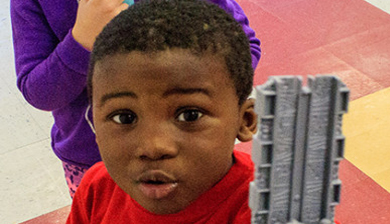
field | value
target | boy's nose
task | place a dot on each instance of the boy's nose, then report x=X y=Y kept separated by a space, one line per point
x=157 y=144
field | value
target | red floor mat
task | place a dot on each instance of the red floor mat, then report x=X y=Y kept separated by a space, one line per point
x=349 y=38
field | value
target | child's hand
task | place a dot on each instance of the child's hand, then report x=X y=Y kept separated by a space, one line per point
x=92 y=16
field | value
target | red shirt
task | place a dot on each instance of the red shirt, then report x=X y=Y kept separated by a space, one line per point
x=100 y=200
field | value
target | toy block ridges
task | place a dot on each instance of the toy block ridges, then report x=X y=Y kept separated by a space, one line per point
x=297 y=150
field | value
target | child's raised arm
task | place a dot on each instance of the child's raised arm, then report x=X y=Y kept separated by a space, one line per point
x=51 y=65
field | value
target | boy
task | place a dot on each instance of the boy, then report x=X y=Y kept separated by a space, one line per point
x=168 y=84
x=52 y=43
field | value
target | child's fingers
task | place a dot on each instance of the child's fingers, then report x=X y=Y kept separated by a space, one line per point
x=92 y=16
x=105 y=8
x=120 y=8
x=123 y=7
x=83 y=2
x=106 y=2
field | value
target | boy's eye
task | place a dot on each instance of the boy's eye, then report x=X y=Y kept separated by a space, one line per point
x=124 y=118
x=190 y=115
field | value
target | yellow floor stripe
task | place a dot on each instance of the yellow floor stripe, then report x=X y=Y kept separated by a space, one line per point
x=367 y=131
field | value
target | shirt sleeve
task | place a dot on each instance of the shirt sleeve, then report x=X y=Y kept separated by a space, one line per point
x=233 y=8
x=51 y=73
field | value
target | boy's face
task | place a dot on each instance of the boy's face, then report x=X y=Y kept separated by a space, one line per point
x=166 y=125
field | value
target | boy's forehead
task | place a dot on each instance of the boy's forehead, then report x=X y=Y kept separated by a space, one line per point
x=173 y=69
x=172 y=59
x=165 y=54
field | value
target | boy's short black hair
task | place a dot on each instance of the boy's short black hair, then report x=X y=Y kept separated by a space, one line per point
x=152 y=26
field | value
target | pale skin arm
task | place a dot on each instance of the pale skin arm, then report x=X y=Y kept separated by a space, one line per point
x=92 y=16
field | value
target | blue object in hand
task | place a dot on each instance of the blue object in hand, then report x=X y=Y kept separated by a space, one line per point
x=129 y=2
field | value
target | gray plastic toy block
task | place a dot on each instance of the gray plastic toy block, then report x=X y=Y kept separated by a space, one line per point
x=297 y=150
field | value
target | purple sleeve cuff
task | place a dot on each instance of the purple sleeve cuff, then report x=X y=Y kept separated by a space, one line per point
x=73 y=54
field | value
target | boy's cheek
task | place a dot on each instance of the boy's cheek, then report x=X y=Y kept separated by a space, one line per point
x=110 y=146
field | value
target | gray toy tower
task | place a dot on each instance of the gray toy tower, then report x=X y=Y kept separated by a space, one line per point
x=297 y=150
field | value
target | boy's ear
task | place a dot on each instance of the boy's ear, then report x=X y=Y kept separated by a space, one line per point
x=248 y=125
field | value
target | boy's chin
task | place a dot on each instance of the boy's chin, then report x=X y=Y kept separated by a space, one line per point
x=165 y=200
x=164 y=206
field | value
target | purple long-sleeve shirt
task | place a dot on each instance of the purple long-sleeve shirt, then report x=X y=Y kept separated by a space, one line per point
x=52 y=70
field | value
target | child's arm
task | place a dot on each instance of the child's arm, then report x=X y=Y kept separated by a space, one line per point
x=50 y=72
x=51 y=65
x=234 y=9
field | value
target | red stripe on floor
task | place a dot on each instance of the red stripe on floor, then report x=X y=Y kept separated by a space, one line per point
x=363 y=201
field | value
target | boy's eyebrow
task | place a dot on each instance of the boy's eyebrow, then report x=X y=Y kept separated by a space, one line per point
x=169 y=92
x=181 y=91
x=109 y=96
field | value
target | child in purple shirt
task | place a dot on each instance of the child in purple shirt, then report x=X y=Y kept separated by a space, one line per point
x=52 y=44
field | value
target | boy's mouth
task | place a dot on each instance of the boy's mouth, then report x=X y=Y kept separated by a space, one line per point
x=155 y=184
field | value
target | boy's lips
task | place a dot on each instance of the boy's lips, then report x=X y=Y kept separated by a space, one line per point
x=156 y=184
